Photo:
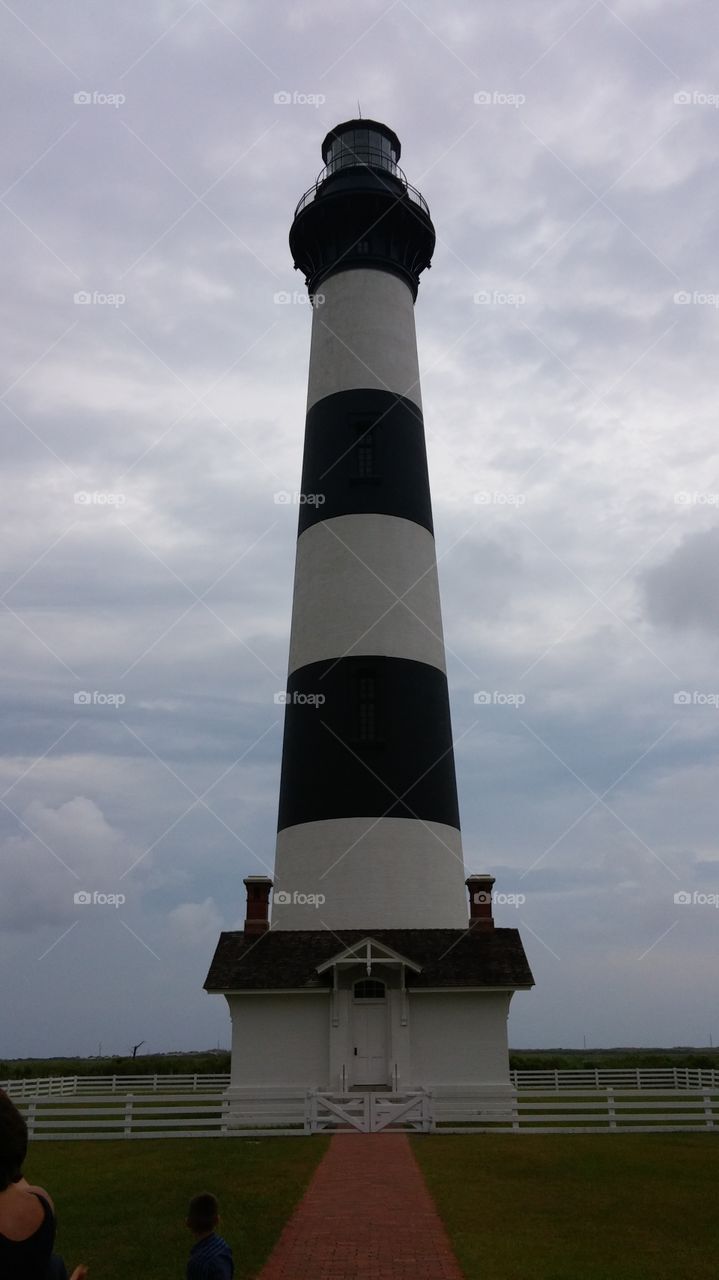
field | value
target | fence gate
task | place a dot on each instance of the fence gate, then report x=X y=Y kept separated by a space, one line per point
x=369 y=1112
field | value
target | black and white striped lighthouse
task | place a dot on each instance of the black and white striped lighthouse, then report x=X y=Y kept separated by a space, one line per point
x=368 y=814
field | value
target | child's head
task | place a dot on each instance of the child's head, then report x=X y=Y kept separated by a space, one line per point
x=203 y=1214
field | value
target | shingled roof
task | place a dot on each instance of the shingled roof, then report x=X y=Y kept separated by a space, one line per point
x=283 y=959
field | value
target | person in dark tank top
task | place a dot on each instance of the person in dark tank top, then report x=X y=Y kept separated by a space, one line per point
x=27 y=1214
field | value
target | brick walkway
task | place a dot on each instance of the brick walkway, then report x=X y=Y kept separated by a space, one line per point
x=366 y=1215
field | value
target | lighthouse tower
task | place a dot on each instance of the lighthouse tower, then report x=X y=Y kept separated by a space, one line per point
x=368 y=814
x=362 y=969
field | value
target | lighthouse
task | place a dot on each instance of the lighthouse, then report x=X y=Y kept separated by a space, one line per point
x=362 y=966
x=368 y=813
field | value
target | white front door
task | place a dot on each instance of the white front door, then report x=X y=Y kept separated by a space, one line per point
x=370 y=1042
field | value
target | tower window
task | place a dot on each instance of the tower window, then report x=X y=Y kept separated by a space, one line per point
x=365 y=452
x=366 y=706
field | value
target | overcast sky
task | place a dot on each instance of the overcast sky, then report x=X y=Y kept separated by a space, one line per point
x=568 y=346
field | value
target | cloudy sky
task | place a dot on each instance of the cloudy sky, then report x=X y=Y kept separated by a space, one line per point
x=567 y=335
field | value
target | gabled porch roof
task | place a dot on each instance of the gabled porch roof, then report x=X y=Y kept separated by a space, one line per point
x=368 y=952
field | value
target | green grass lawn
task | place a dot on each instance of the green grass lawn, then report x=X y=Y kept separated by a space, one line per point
x=578 y=1206
x=121 y=1205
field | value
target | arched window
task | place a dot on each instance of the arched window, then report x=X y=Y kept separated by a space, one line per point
x=369 y=989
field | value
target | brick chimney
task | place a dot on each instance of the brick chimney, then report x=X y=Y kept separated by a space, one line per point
x=480 y=902
x=258 y=904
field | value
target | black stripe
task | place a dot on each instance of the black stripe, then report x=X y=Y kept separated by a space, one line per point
x=332 y=479
x=329 y=772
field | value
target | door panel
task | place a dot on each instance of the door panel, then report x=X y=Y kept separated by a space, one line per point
x=370 y=1042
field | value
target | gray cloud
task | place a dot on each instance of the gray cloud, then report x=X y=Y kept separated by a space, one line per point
x=593 y=399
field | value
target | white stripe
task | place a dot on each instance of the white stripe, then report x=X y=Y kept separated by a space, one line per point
x=348 y=575
x=387 y=873
x=363 y=336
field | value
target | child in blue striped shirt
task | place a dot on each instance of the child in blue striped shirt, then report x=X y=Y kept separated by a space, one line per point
x=211 y=1257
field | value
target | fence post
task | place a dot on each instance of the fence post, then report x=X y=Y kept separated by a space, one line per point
x=611 y=1110
x=515 y=1112
x=30 y=1118
x=708 y=1112
x=128 y=1116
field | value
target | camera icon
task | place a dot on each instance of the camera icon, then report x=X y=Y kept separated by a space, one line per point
x=682 y=698
x=81 y=499
x=82 y=298
x=482 y=699
x=482 y=298
x=82 y=898
x=481 y=898
x=682 y=899
x=82 y=98
x=282 y=98
x=282 y=897
x=682 y=298
x=82 y=699
x=682 y=98
x=283 y=496
x=283 y=297
x=281 y=699
x=482 y=99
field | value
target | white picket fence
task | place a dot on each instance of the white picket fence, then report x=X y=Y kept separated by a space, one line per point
x=547 y=1081
x=70 y=1086
x=604 y=1110
x=618 y=1078
x=211 y=1114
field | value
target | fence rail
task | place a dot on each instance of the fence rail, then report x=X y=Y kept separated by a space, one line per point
x=68 y=1086
x=618 y=1077
x=217 y=1114
x=558 y=1081
x=582 y=1111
